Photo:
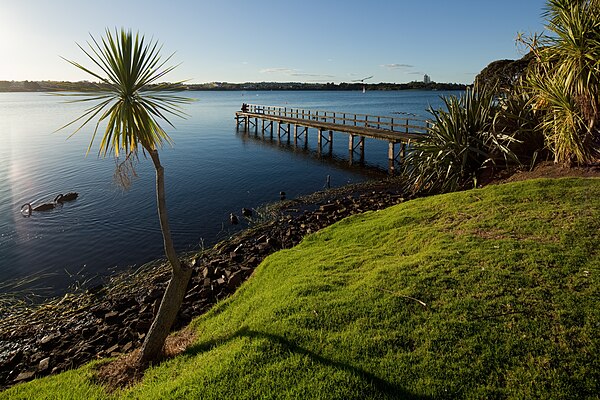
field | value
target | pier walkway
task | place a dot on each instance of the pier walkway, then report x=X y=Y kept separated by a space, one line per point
x=397 y=131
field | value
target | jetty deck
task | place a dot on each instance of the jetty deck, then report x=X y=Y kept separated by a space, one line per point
x=399 y=130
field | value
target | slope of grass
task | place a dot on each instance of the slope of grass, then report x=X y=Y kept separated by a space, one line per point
x=486 y=293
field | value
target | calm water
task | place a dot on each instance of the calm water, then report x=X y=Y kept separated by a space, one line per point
x=211 y=171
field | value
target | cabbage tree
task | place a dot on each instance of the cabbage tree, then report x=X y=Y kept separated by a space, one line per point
x=132 y=104
x=565 y=80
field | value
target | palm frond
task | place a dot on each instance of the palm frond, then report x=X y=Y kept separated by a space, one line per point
x=129 y=101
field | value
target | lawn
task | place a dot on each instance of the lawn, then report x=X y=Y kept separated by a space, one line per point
x=488 y=293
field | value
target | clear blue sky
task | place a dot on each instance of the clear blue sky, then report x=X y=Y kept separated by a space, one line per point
x=275 y=40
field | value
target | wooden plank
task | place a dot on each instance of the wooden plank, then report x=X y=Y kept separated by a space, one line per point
x=359 y=130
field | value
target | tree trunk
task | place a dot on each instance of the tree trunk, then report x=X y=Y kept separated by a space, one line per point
x=180 y=276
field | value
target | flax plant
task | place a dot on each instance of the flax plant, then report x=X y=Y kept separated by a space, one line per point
x=518 y=119
x=133 y=105
x=565 y=79
x=460 y=145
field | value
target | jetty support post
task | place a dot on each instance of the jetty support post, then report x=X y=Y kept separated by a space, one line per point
x=295 y=134
x=306 y=137
x=396 y=158
x=391 y=157
x=281 y=131
x=352 y=148
x=319 y=140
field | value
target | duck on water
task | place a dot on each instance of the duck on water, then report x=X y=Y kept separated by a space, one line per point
x=27 y=208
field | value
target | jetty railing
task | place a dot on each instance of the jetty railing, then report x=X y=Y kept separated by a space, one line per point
x=394 y=124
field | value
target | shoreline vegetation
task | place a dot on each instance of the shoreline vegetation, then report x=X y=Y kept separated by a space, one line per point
x=66 y=332
x=84 y=86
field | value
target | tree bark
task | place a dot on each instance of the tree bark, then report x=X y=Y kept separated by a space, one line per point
x=180 y=276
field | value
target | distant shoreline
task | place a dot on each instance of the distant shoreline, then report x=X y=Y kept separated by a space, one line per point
x=85 y=86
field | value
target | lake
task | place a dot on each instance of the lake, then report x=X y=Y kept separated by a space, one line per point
x=211 y=171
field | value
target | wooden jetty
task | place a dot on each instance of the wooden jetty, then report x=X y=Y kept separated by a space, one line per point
x=397 y=131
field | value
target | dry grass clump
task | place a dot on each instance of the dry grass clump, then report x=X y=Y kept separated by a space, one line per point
x=127 y=370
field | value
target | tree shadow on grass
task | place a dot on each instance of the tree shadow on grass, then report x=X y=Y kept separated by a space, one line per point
x=381 y=387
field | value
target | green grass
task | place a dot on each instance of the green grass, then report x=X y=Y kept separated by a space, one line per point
x=509 y=275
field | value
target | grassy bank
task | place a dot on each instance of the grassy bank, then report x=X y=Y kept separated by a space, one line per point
x=485 y=293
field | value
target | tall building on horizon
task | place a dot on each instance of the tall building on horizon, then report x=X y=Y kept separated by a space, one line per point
x=426 y=79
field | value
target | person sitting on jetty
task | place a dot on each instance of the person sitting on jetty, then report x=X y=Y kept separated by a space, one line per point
x=244 y=107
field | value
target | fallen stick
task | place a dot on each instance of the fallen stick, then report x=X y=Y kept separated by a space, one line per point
x=402 y=295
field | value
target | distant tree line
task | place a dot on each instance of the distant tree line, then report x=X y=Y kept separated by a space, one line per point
x=325 y=86
x=47 y=86
x=85 y=86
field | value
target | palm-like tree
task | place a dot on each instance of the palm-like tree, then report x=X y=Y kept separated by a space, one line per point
x=565 y=81
x=131 y=103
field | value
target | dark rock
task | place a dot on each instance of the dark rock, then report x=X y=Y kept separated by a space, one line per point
x=143 y=325
x=273 y=242
x=252 y=261
x=193 y=293
x=99 y=311
x=112 y=349
x=48 y=340
x=111 y=317
x=153 y=294
x=24 y=376
x=262 y=238
x=205 y=272
x=328 y=207
x=44 y=365
x=12 y=360
x=236 y=257
x=98 y=340
x=263 y=248
x=88 y=332
x=235 y=279
x=125 y=305
x=35 y=358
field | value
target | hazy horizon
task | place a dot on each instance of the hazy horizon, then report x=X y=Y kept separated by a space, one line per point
x=272 y=41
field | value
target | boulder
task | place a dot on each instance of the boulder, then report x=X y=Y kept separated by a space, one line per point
x=44 y=365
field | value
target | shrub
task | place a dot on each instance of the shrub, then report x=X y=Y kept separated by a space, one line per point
x=460 y=145
x=517 y=118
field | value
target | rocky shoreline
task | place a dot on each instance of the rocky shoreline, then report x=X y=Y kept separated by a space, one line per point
x=113 y=320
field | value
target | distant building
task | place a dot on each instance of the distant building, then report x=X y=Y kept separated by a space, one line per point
x=426 y=79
